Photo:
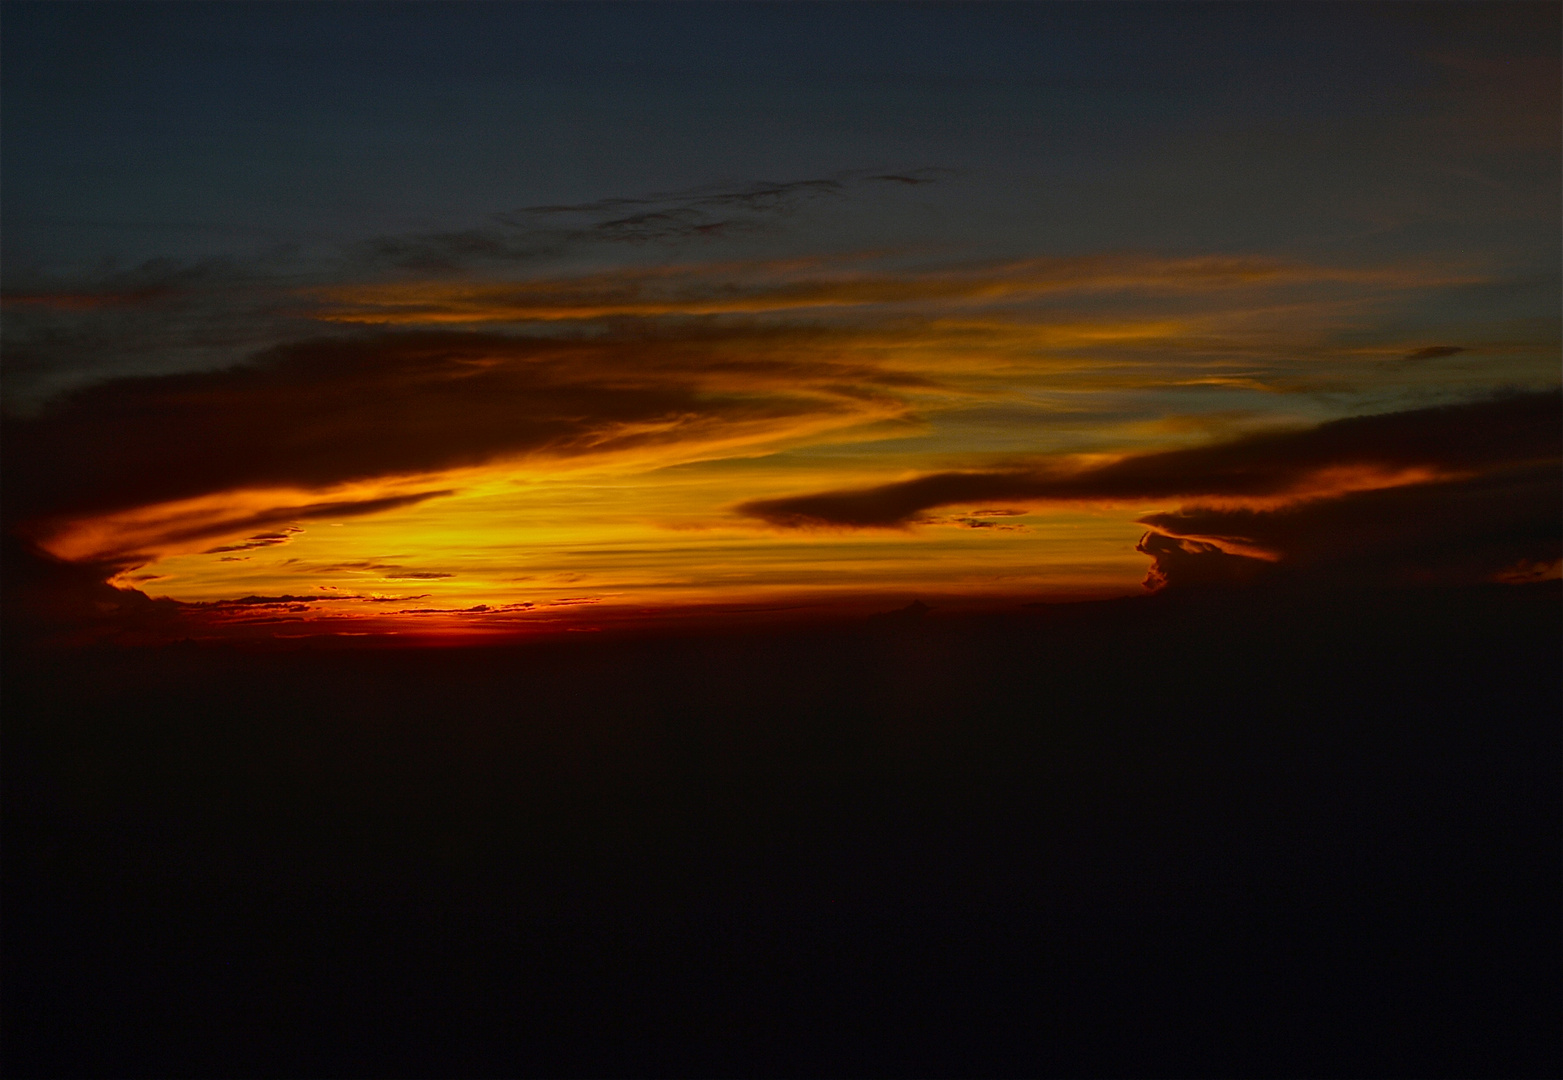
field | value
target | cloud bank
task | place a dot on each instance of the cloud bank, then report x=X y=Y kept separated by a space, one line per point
x=319 y=414
x=483 y=383
x=1462 y=492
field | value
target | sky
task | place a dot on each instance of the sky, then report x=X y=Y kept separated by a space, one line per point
x=472 y=319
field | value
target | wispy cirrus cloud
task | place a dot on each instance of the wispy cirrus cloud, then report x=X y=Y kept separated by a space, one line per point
x=802 y=284
x=259 y=540
x=65 y=329
x=534 y=233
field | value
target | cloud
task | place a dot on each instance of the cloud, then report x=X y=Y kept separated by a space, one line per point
x=362 y=566
x=291 y=601
x=760 y=196
x=145 y=532
x=164 y=315
x=260 y=540
x=757 y=287
x=51 y=599
x=983 y=523
x=328 y=412
x=1501 y=526
x=1449 y=495
x=476 y=609
x=265 y=601
x=389 y=395
x=1359 y=453
x=1184 y=563
x=160 y=317
x=537 y=232
x=1435 y=352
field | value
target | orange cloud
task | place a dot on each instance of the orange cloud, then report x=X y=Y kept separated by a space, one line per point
x=146 y=532
x=763 y=287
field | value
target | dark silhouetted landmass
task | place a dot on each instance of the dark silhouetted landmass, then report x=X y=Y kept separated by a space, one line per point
x=1251 y=833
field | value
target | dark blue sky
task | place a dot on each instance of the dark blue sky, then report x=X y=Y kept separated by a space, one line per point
x=138 y=130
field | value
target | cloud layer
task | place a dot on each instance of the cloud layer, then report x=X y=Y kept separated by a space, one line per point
x=487 y=400
x=1502 y=525
x=319 y=414
x=1371 y=451
x=1462 y=492
x=817 y=283
x=536 y=232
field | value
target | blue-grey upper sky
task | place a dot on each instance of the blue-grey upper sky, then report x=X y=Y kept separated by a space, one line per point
x=141 y=130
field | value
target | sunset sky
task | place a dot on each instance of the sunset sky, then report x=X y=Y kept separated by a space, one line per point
x=781 y=539
x=379 y=319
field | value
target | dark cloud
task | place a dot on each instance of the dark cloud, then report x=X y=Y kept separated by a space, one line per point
x=51 y=599
x=1516 y=429
x=264 y=601
x=1188 y=563
x=330 y=411
x=71 y=602
x=536 y=232
x=259 y=540
x=982 y=523
x=910 y=615
x=757 y=196
x=333 y=508
x=290 y=601
x=1434 y=352
x=477 y=609
x=1506 y=525
x=163 y=315
x=1489 y=506
x=337 y=568
x=158 y=317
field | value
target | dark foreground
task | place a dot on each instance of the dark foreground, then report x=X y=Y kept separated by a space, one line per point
x=1197 y=837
